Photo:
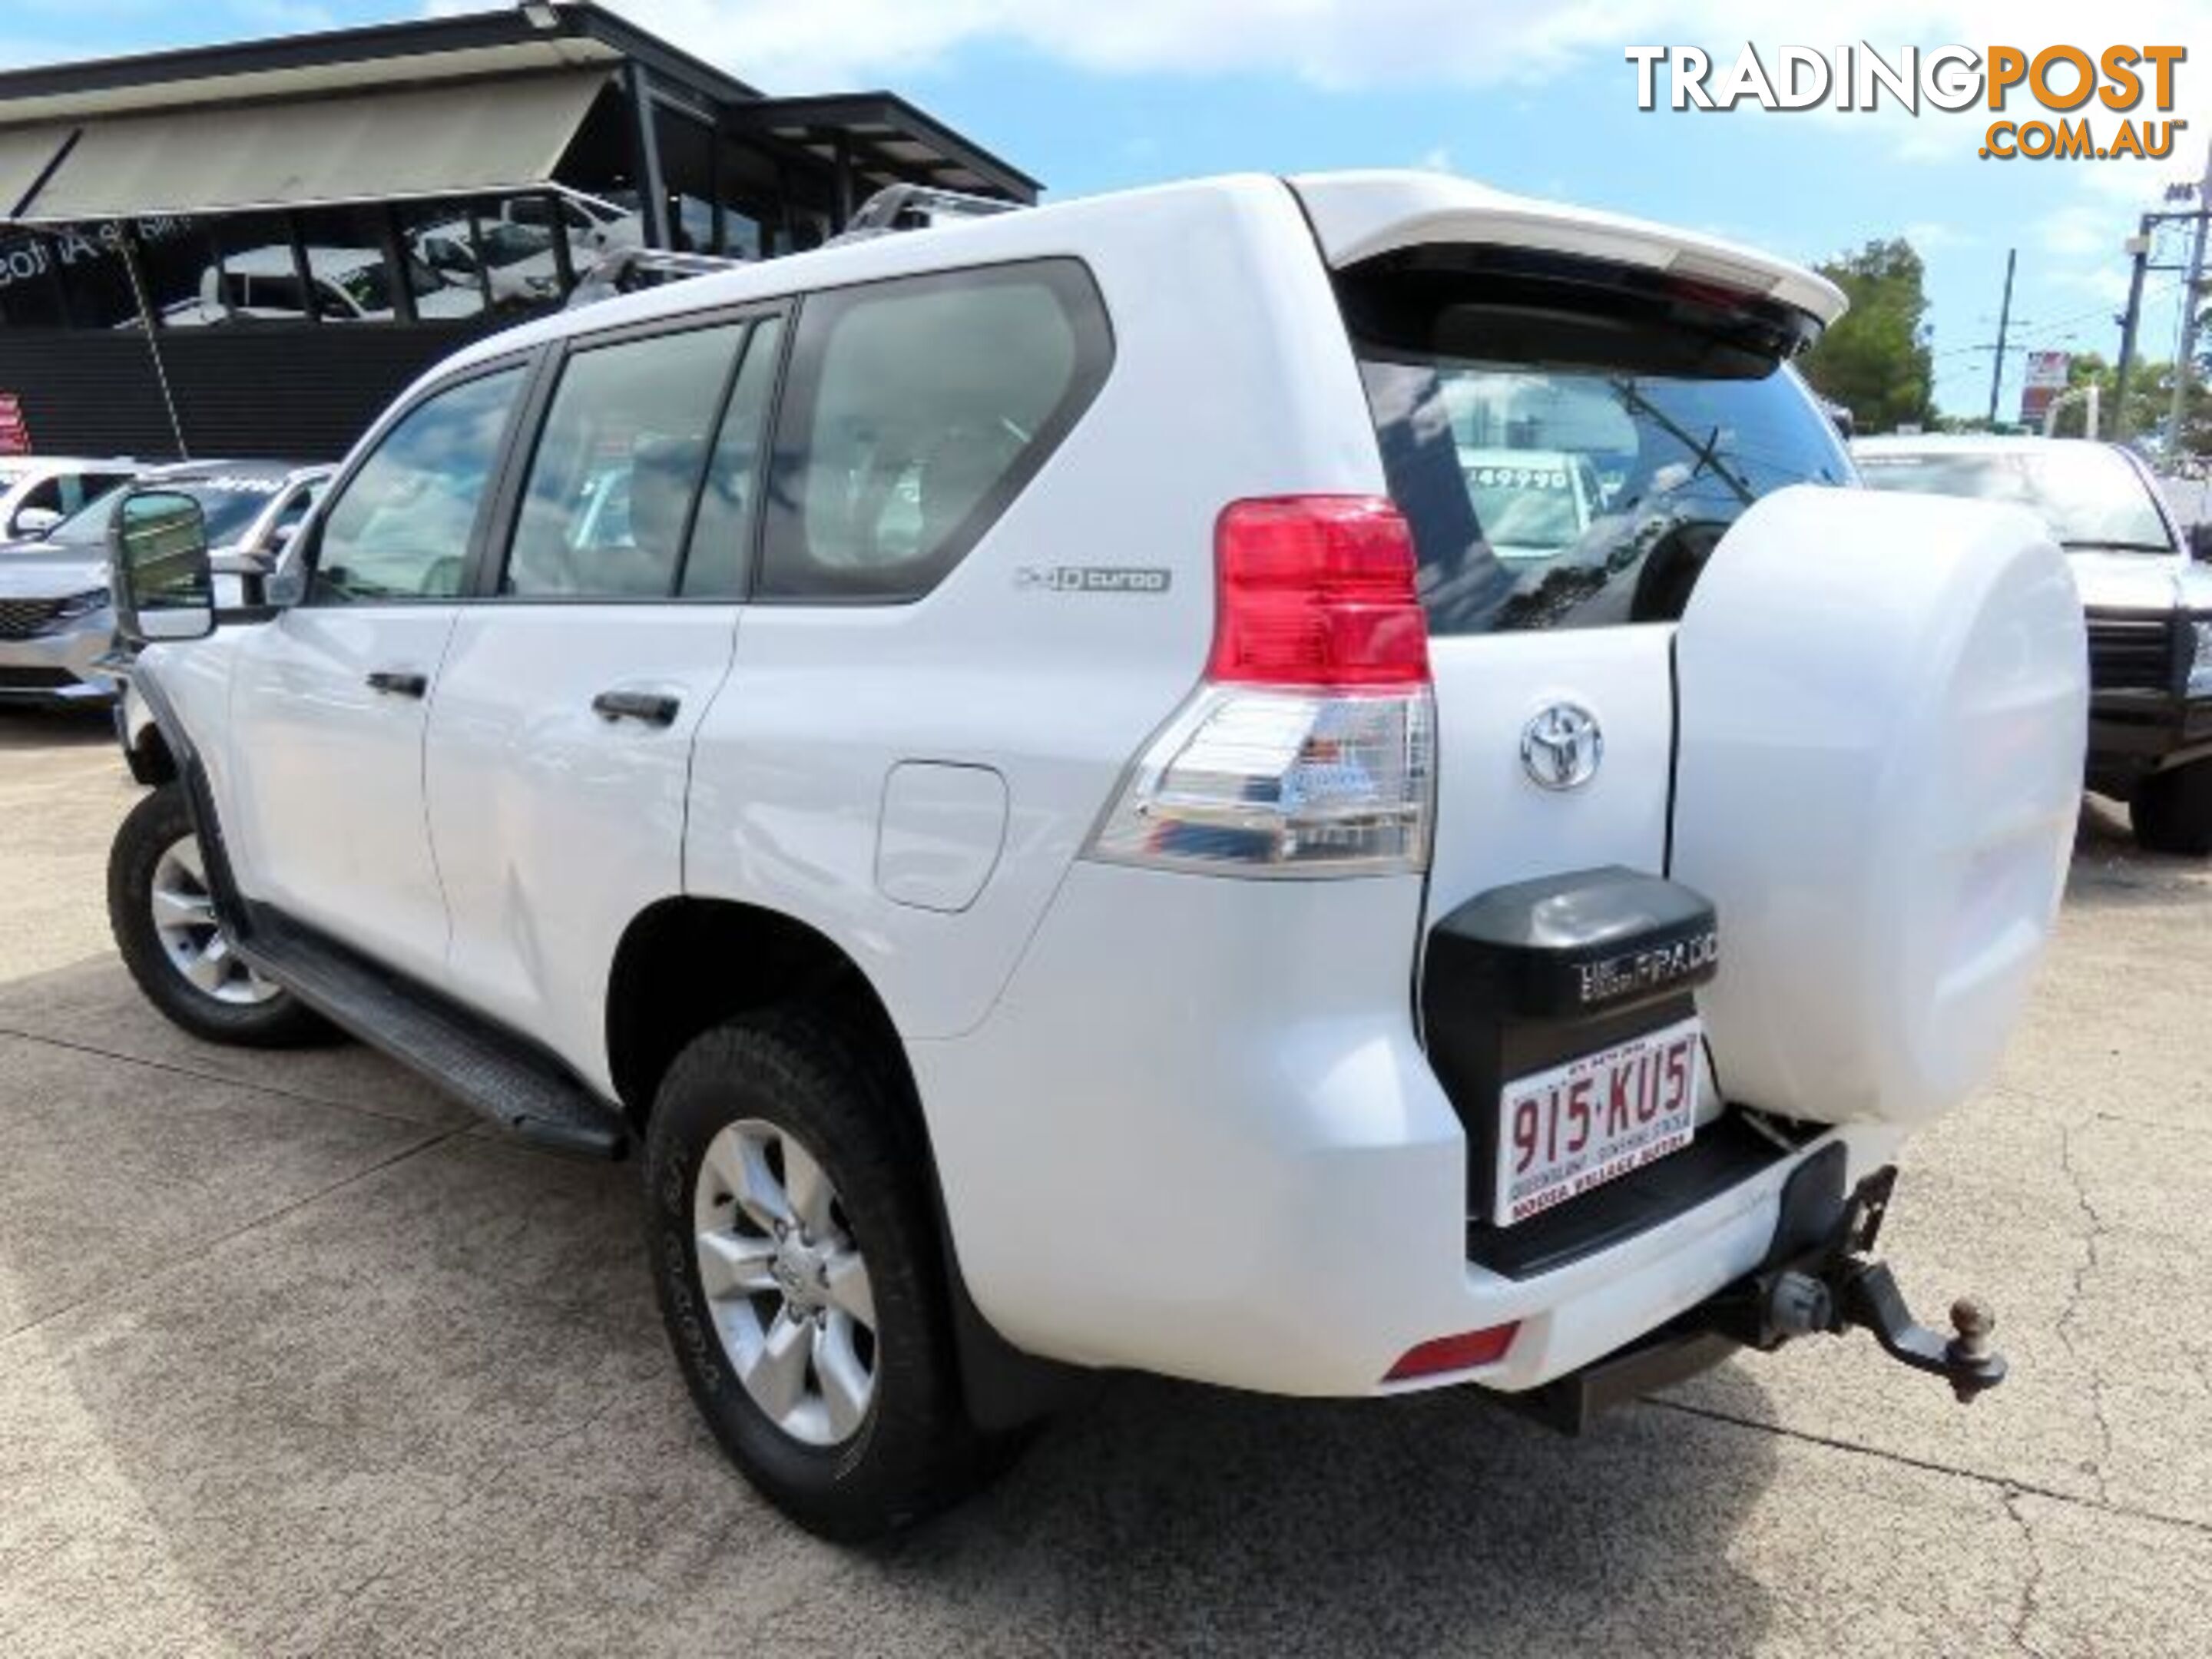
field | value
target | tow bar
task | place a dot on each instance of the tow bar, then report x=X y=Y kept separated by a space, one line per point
x=1819 y=1275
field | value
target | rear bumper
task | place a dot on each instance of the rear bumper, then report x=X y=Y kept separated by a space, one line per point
x=1233 y=1163
x=62 y=668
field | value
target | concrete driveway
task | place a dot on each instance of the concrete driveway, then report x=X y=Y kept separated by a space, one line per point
x=293 y=1357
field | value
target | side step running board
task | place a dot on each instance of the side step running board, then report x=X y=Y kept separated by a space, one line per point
x=503 y=1077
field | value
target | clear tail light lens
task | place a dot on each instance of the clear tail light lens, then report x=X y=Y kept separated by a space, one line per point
x=1281 y=783
x=1310 y=748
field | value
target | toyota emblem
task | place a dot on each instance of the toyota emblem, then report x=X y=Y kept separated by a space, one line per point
x=1561 y=746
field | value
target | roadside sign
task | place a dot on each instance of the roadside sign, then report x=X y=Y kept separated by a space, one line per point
x=15 y=434
x=2046 y=378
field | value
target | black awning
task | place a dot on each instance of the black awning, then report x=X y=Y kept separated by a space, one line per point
x=886 y=141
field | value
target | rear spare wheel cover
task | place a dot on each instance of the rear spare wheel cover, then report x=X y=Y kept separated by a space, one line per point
x=1883 y=705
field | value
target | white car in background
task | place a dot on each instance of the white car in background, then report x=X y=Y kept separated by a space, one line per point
x=345 y=285
x=37 y=492
x=516 y=262
x=1021 y=825
x=2146 y=592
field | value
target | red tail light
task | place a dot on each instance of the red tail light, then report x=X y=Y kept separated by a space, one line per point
x=1455 y=1353
x=1317 y=590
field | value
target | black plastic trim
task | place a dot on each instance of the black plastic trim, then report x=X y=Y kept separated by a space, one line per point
x=230 y=907
x=1726 y=1152
x=497 y=1072
x=1576 y=946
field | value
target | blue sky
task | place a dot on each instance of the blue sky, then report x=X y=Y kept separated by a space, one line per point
x=1532 y=98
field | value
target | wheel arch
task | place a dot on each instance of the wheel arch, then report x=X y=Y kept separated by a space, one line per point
x=149 y=758
x=685 y=964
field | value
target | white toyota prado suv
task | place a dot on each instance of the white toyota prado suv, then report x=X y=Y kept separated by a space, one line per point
x=1007 y=760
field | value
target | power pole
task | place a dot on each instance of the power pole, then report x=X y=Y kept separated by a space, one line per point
x=2004 y=322
x=2139 y=250
x=2185 y=362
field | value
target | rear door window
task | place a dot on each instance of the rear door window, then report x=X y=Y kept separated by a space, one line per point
x=617 y=468
x=722 y=538
x=916 y=412
x=1568 y=449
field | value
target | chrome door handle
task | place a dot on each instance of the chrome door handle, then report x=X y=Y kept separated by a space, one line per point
x=648 y=707
x=394 y=682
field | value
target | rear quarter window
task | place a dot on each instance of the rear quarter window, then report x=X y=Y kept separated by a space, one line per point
x=914 y=412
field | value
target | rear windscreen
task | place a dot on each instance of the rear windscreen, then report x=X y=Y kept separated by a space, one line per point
x=1569 y=448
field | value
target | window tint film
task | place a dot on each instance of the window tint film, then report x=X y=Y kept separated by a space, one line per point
x=917 y=410
x=721 y=541
x=401 y=528
x=617 y=467
x=1567 y=451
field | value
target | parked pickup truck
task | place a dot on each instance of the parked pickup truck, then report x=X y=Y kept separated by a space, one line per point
x=1051 y=824
x=2148 y=599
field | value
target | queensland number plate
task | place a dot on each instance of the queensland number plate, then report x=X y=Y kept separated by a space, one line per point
x=1580 y=1125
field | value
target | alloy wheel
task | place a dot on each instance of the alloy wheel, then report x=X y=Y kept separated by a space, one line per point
x=786 y=1284
x=185 y=922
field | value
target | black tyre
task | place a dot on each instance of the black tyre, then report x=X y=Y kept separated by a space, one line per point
x=792 y=1243
x=159 y=908
x=2172 y=811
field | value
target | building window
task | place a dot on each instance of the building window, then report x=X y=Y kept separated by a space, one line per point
x=176 y=262
x=254 y=277
x=600 y=169
x=30 y=286
x=687 y=172
x=745 y=189
x=95 y=275
x=351 y=269
x=535 y=247
x=439 y=241
x=504 y=253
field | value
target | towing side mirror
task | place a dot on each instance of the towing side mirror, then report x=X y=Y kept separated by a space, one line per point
x=34 y=523
x=159 y=567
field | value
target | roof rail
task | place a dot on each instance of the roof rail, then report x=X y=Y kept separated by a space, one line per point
x=894 y=208
x=917 y=207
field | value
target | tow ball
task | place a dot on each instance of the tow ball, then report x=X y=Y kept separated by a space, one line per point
x=1821 y=1275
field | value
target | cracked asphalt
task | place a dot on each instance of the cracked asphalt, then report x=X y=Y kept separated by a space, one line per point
x=294 y=1358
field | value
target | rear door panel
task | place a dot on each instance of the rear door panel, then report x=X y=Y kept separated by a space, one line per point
x=1495 y=824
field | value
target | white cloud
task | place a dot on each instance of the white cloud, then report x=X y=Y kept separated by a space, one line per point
x=2078 y=230
x=1926 y=236
x=827 y=43
x=1438 y=159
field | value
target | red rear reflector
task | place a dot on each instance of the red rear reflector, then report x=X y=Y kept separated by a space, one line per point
x=1317 y=590
x=1455 y=1353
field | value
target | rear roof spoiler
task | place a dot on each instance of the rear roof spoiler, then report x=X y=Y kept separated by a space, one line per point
x=1359 y=216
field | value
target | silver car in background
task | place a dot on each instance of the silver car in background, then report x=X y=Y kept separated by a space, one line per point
x=57 y=626
x=2146 y=593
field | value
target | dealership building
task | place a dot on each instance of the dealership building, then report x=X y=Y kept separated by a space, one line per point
x=247 y=249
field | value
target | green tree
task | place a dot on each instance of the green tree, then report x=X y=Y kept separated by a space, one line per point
x=2150 y=399
x=1876 y=362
